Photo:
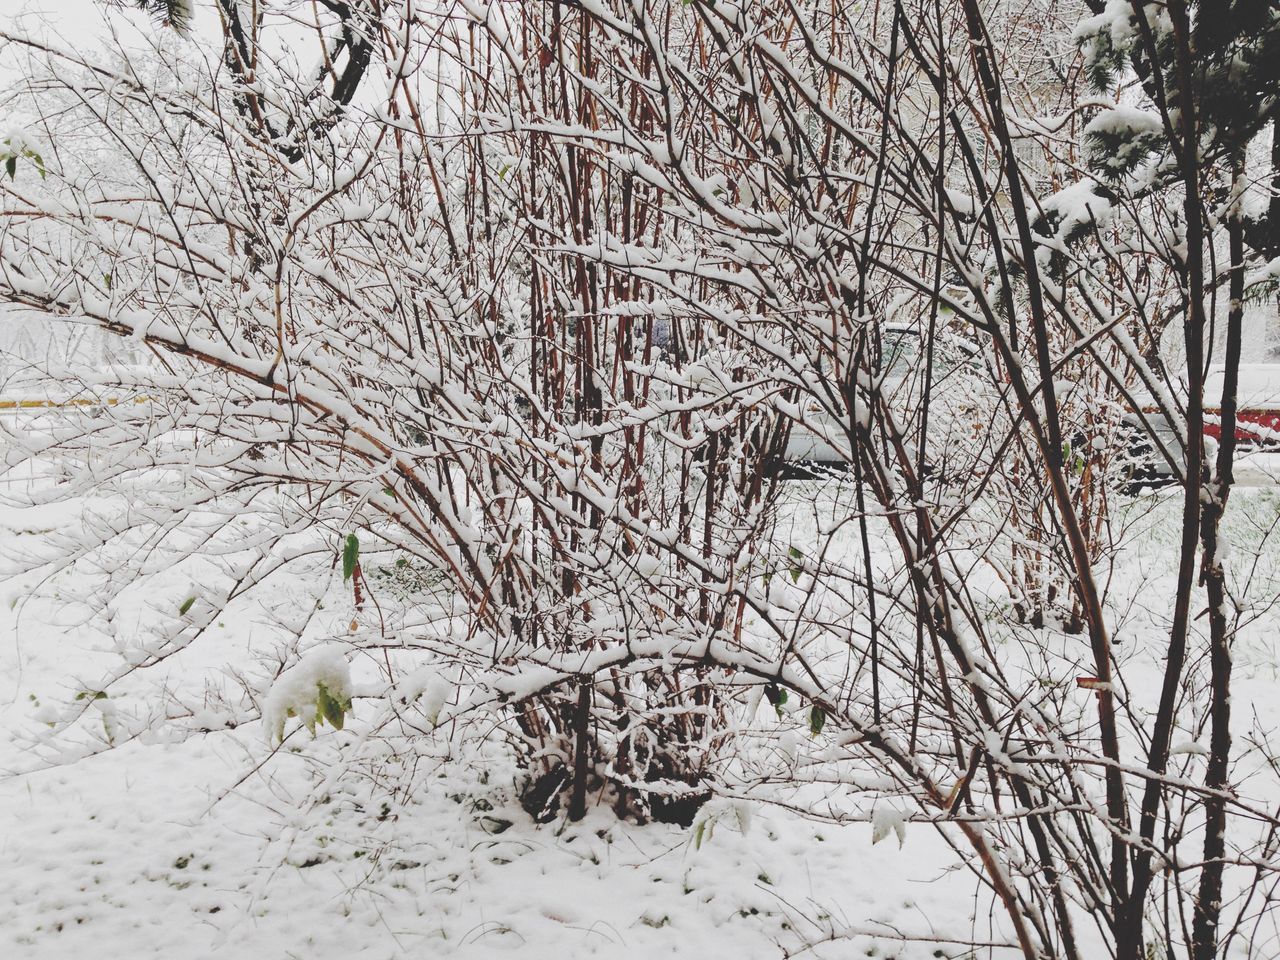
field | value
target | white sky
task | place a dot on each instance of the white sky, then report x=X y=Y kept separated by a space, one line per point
x=80 y=22
x=85 y=24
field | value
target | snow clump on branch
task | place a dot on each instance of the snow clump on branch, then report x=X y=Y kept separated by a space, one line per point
x=315 y=689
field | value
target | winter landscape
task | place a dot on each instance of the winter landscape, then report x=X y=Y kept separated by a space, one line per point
x=640 y=478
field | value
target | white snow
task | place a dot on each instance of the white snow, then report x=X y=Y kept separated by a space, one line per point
x=295 y=692
x=886 y=820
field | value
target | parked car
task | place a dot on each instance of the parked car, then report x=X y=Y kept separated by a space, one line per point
x=808 y=453
x=1257 y=430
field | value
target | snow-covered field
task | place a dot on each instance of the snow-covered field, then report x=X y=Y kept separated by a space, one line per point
x=342 y=847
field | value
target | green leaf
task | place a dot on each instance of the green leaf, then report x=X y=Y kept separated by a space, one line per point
x=1070 y=459
x=698 y=834
x=330 y=708
x=795 y=554
x=186 y=605
x=11 y=167
x=91 y=695
x=350 y=557
x=817 y=717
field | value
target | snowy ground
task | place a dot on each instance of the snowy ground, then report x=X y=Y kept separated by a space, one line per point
x=197 y=849
x=124 y=858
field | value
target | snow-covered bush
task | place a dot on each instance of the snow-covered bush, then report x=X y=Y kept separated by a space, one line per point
x=504 y=354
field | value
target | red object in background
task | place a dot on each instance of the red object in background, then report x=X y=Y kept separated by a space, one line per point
x=1257 y=427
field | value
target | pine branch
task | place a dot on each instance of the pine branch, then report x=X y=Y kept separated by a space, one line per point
x=175 y=14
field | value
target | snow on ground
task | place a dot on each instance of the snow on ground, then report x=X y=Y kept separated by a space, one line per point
x=200 y=849
x=197 y=848
x=122 y=859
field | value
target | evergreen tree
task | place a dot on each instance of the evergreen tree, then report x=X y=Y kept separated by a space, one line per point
x=1235 y=84
x=177 y=14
